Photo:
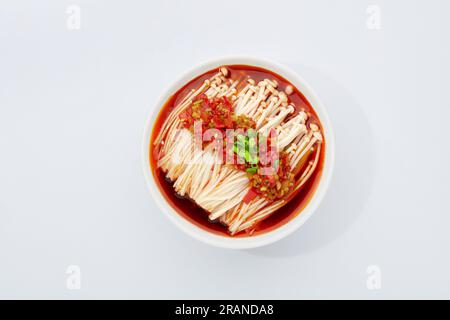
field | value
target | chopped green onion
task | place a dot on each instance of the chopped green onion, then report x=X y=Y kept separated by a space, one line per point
x=276 y=164
x=246 y=147
x=252 y=170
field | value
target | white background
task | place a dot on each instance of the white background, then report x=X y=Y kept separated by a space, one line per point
x=73 y=104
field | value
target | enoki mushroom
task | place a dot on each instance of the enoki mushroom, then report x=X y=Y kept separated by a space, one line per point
x=219 y=188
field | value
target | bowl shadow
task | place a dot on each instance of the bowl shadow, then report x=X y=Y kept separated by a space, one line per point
x=353 y=174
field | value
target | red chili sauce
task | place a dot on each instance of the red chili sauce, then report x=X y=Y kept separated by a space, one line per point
x=198 y=216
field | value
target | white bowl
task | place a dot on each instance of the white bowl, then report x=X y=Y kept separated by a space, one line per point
x=273 y=235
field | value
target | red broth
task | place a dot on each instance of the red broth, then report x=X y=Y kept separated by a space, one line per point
x=198 y=216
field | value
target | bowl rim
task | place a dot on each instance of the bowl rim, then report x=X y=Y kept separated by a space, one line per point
x=272 y=235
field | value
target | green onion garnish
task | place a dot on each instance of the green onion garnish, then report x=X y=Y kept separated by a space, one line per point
x=252 y=170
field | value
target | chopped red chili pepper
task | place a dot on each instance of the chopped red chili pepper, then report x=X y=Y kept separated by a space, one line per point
x=215 y=113
x=218 y=113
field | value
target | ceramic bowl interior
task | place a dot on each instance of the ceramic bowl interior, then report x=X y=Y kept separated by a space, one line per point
x=268 y=237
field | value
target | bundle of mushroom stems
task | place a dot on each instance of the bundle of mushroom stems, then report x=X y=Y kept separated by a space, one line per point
x=220 y=188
